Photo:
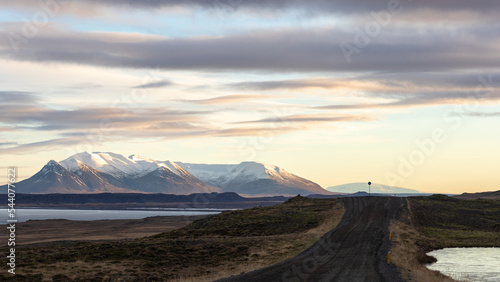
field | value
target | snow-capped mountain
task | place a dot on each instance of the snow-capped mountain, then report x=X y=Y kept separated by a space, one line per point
x=179 y=182
x=96 y=181
x=109 y=172
x=116 y=165
x=54 y=178
x=50 y=179
x=253 y=178
x=375 y=188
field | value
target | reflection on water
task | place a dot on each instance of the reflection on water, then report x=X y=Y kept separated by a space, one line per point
x=468 y=264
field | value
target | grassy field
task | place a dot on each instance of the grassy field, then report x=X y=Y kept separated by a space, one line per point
x=214 y=247
x=441 y=222
x=450 y=222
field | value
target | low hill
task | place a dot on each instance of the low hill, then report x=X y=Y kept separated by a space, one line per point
x=481 y=195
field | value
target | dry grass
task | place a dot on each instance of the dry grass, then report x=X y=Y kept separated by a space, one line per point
x=441 y=222
x=407 y=256
x=274 y=249
x=208 y=249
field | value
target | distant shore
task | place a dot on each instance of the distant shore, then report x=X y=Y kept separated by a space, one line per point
x=122 y=201
x=53 y=230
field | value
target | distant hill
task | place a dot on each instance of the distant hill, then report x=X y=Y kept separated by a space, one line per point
x=375 y=188
x=482 y=195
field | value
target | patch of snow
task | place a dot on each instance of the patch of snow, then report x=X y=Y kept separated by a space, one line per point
x=116 y=164
x=207 y=172
x=72 y=165
x=220 y=175
x=171 y=166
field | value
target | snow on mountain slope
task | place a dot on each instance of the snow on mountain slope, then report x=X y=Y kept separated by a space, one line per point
x=223 y=174
x=172 y=167
x=212 y=174
x=109 y=172
x=116 y=165
x=52 y=178
x=253 y=178
x=163 y=180
x=244 y=172
x=136 y=173
x=96 y=180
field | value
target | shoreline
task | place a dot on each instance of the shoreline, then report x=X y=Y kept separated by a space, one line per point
x=123 y=209
x=49 y=230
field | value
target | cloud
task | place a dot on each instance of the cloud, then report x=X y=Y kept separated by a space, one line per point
x=252 y=131
x=310 y=6
x=44 y=119
x=48 y=145
x=12 y=97
x=311 y=118
x=287 y=84
x=8 y=144
x=284 y=50
x=404 y=82
x=93 y=126
x=84 y=86
x=227 y=99
x=424 y=99
x=401 y=89
x=155 y=84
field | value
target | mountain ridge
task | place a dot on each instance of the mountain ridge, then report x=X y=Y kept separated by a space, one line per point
x=100 y=172
x=253 y=178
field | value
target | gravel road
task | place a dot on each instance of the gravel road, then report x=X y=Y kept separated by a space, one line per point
x=356 y=250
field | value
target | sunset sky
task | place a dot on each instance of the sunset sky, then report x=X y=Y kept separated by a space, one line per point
x=404 y=93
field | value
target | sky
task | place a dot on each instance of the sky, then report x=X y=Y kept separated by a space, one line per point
x=397 y=92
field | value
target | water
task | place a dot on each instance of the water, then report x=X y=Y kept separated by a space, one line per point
x=468 y=264
x=23 y=215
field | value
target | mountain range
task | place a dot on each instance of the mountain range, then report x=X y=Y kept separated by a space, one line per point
x=102 y=172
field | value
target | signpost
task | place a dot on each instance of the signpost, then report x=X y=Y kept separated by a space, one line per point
x=369 y=187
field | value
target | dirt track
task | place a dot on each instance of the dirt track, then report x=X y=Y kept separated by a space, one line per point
x=356 y=250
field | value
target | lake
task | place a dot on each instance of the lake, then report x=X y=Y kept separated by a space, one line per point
x=25 y=214
x=468 y=264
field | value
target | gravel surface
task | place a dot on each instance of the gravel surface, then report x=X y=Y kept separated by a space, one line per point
x=356 y=250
